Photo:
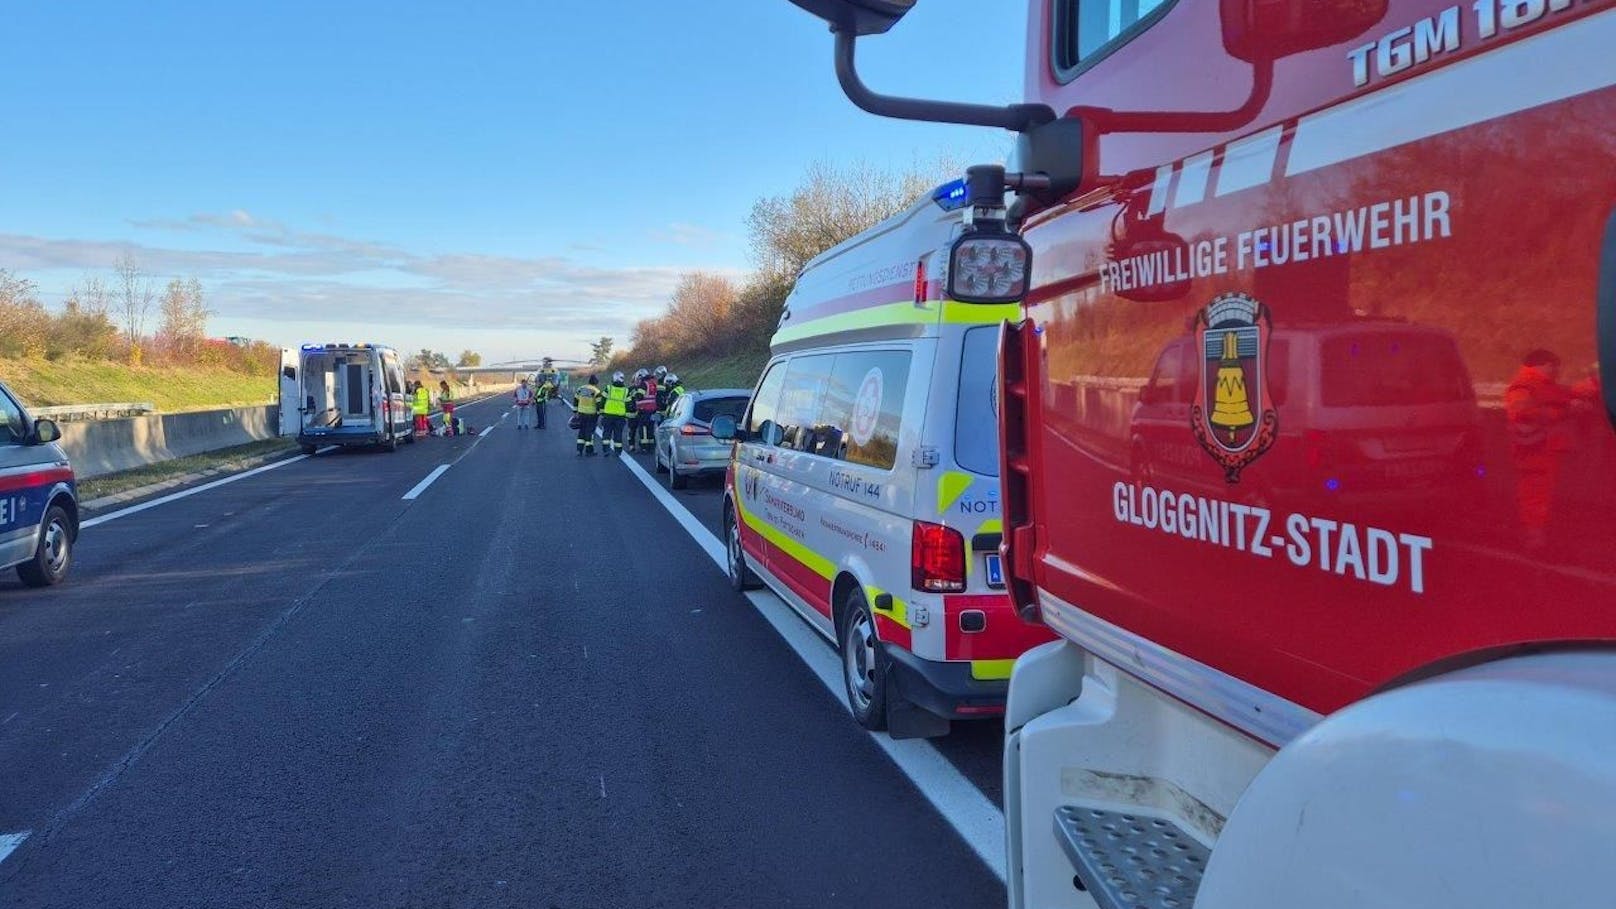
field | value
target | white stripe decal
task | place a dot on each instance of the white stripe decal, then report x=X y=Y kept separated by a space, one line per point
x=1158 y=192
x=1192 y=181
x=1249 y=162
x=1551 y=66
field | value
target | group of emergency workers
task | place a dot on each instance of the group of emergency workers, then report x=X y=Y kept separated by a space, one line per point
x=619 y=407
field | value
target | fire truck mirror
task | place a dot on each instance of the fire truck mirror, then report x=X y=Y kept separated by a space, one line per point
x=1257 y=30
x=858 y=17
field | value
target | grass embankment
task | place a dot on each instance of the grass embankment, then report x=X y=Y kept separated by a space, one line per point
x=736 y=370
x=42 y=383
x=225 y=460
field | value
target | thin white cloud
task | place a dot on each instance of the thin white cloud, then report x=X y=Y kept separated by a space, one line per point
x=295 y=276
x=680 y=233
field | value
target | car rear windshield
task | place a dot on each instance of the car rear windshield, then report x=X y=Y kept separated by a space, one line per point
x=976 y=422
x=707 y=408
x=1387 y=369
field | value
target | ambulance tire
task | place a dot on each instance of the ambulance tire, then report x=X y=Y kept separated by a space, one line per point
x=54 y=554
x=864 y=663
x=741 y=577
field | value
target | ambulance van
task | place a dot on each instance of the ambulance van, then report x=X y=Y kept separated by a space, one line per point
x=344 y=394
x=864 y=488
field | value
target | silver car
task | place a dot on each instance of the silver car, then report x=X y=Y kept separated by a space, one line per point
x=685 y=446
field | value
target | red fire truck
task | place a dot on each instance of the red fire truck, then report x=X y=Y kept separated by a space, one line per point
x=1308 y=449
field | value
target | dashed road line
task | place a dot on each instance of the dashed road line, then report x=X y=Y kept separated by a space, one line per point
x=973 y=816
x=418 y=488
x=10 y=841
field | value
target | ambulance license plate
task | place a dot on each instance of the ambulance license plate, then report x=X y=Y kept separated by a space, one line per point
x=995 y=572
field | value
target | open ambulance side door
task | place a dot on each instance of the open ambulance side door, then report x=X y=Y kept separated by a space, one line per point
x=291 y=401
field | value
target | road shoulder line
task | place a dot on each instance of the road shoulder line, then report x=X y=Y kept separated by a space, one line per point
x=977 y=820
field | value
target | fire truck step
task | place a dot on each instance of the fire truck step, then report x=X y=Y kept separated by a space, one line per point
x=1131 y=860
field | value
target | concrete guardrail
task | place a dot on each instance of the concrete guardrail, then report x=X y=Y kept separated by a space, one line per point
x=106 y=446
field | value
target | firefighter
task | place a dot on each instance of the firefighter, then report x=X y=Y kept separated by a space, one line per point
x=586 y=403
x=421 y=406
x=646 y=406
x=614 y=412
x=541 y=401
x=672 y=389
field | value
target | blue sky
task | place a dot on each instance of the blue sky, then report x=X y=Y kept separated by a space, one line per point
x=510 y=177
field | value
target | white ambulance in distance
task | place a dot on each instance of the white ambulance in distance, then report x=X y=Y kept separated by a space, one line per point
x=344 y=394
x=864 y=488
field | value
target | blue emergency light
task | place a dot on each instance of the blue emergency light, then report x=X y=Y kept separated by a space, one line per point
x=952 y=196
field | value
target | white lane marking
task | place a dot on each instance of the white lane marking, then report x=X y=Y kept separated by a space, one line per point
x=603 y=786
x=976 y=819
x=485 y=432
x=1569 y=60
x=505 y=416
x=10 y=841
x=185 y=493
x=420 y=487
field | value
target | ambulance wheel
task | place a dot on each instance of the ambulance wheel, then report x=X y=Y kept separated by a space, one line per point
x=864 y=666
x=740 y=577
x=54 y=555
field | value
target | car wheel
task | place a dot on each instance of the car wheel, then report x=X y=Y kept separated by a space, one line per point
x=864 y=669
x=740 y=577
x=676 y=480
x=54 y=554
x=656 y=459
x=307 y=449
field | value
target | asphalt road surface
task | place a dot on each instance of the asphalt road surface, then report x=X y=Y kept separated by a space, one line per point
x=526 y=686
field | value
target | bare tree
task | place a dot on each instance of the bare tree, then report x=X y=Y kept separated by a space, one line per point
x=93 y=296
x=185 y=318
x=134 y=298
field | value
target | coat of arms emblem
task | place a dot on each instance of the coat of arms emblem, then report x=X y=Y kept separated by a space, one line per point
x=1233 y=416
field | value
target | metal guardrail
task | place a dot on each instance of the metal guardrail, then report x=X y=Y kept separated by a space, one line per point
x=71 y=413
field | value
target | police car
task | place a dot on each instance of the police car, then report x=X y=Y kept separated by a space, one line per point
x=39 y=509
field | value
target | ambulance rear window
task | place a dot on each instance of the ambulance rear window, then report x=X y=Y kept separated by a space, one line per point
x=976 y=420
x=1388 y=369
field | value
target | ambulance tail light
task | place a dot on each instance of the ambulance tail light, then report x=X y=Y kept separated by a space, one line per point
x=936 y=558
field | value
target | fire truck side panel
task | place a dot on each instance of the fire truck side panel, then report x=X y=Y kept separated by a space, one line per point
x=1290 y=438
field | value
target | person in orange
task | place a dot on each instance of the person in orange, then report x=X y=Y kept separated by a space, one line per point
x=1537 y=411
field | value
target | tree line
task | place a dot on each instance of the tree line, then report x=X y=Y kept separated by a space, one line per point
x=111 y=318
x=709 y=315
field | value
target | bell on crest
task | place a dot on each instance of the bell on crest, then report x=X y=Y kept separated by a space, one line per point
x=1230 y=407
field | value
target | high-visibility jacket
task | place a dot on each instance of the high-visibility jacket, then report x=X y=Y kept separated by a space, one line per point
x=587 y=400
x=645 y=396
x=422 y=405
x=672 y=397
x=616 y=401
x=546 y=391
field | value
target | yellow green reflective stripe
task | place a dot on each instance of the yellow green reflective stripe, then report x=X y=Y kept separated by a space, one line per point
x=950 y=486
x=819 y=564
x=991 y=670
x=948 y=312
x=898 y=613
